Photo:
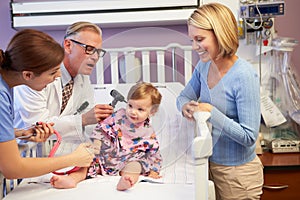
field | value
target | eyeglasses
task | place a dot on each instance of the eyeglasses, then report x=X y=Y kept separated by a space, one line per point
x=90 y=50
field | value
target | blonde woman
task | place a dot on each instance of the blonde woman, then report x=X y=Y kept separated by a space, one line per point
x=227 y=86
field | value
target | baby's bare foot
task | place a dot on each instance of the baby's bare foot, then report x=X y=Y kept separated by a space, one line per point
x=125 y=183
x=62 y=182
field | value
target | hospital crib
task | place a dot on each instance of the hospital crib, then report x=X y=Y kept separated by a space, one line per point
x=185 y=145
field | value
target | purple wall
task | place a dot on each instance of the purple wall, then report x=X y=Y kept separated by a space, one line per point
x=287 y=26
x=6 y=32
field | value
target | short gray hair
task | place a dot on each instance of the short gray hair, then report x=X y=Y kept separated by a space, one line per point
x=80 y=26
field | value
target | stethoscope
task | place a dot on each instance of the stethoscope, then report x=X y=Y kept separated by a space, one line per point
x=53 y=151
x=117 y=97
x=58 y=141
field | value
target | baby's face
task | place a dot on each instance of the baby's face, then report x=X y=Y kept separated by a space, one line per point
x=138 y=111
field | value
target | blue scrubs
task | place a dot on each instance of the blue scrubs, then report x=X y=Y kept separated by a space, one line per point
x=6 y=112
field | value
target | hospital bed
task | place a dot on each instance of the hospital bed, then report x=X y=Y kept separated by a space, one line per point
x=185 y=145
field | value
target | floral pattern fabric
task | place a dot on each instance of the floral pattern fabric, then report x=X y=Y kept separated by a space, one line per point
x=123 y=142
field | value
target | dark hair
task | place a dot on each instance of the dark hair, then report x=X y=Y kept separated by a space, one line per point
x=31 y=50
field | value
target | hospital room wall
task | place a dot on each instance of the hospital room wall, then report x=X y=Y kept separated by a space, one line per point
x=159 y=35
x=287 y=26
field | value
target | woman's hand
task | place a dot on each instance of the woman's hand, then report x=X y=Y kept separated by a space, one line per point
x=83 y=155
x=189 y=108
x=43 y=132
x=37 y=133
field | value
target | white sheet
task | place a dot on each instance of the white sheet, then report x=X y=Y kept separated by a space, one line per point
x=102 y=188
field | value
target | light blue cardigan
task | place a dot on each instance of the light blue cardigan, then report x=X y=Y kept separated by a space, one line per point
x=235 y=117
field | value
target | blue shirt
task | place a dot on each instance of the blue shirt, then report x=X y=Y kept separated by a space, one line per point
x=235 y=116
x=6 y=112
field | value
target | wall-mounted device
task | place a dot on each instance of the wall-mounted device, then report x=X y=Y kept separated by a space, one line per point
x=262 y=9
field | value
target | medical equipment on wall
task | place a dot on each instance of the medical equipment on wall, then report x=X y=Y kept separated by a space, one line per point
x=286 y=91
x=256 y=19
x=264 y=9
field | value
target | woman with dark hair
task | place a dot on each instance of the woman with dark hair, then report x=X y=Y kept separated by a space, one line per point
x=32 y=58
x=68 y=94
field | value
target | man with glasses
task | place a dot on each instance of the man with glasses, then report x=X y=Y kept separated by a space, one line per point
x=72 y=110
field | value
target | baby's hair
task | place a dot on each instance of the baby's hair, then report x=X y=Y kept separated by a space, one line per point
x=142 y=90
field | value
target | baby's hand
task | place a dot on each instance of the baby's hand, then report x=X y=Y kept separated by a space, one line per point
x=154 y=174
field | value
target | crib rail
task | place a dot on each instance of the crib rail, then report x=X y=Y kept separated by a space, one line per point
x=131 y=64
x=202 y=150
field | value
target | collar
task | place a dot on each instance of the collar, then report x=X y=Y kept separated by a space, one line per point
x=65 y=76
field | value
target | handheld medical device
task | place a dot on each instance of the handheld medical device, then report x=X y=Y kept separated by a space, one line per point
x=117 y=97
x=82 y=107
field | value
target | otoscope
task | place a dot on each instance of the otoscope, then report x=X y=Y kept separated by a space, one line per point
x=117 y=97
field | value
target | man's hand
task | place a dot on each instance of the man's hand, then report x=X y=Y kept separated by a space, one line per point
x=96 y=114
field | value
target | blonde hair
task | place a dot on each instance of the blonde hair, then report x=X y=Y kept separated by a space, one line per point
x=77 y=27
x=142 y=90
x=219 y=19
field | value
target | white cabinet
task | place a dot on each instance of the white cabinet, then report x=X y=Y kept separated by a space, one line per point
x=57 y=15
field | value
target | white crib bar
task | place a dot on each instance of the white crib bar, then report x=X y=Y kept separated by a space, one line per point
x=146 y=65
x=130 y=68
x=114 y=60
x=160 y=66
x=187 y=65
x=100 y=72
